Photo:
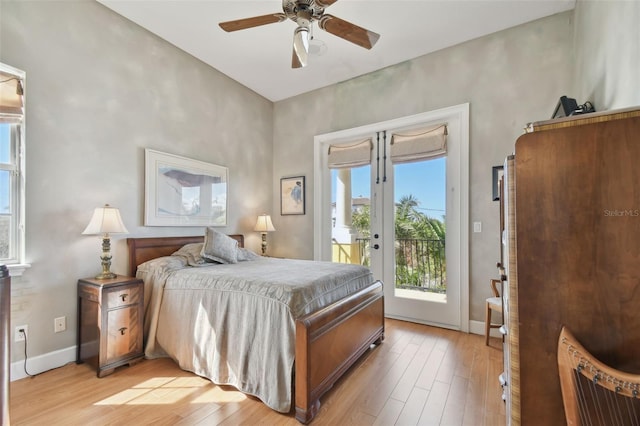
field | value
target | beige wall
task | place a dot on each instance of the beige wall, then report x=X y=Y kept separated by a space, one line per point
x=509 y=78
x=99 y=90
x=607 y=47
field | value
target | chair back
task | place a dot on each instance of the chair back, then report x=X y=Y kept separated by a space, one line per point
x=494 y=287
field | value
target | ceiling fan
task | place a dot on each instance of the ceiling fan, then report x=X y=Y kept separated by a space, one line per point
x=304 y=13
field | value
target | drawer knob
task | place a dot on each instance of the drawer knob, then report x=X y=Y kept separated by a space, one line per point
x=122 y=330
x=124 y=297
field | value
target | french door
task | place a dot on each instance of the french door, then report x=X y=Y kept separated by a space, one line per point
x=406 y=220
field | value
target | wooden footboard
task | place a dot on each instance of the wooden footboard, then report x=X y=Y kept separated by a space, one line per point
x=329 y=341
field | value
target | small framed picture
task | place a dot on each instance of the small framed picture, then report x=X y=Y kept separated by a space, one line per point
x=292 y=195
x=497 y=175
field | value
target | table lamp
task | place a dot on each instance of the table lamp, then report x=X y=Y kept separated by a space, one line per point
x=264 y=225
x=105 y=220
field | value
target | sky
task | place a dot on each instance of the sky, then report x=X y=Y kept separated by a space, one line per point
x=424 y=180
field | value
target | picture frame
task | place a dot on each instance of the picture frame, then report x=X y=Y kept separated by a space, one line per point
x=181 y=191
x=292 y=195
x=497 y=173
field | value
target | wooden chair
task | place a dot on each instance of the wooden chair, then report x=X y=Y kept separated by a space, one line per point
x=594 y=393
x=493 y=304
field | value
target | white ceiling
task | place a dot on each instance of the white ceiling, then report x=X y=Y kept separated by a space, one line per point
x=260 y=57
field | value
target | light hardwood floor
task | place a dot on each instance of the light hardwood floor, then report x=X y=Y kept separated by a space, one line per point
x=418 y=375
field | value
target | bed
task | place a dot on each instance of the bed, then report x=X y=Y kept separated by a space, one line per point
x=324 y=342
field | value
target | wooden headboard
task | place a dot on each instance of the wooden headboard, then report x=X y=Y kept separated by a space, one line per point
x=143 y=249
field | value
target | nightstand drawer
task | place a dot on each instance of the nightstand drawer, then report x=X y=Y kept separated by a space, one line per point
x=122 y=296
x=124 y=337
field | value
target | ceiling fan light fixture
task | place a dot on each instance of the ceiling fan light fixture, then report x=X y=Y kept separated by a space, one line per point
x=317 y=47
x=301 y=44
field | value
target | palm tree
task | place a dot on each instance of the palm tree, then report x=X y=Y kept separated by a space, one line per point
x=419 y=250
x=406 y=217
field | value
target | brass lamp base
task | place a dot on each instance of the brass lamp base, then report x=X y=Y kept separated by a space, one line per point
x=106 y=273
x=106 y=276
x=264 y=243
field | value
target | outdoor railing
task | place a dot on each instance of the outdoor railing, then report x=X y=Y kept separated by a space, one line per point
x=420 y=264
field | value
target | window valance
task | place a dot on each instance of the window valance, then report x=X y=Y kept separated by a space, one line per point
x=350 y=155
x=11 y=91
x=419 y=144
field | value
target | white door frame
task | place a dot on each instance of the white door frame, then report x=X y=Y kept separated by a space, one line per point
x=459 y=115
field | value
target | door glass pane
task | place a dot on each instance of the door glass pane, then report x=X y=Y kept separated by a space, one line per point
x=420 y=202
x=5 y=143
x=4 y=236
x=5 y=192
x=5 y=217
x=350 y=214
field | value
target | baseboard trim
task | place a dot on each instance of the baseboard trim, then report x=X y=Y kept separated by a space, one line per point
x=477 y=327
x=41 y=363
x=49 y=361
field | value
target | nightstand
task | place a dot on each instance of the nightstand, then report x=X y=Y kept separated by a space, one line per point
x=110 y=314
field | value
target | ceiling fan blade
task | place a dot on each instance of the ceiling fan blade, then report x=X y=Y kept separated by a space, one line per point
x=256 y=21
x=300 y=47
x=348 y=31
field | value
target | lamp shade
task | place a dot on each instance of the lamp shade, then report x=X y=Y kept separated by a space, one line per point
x=264 y=224
x=105 y=220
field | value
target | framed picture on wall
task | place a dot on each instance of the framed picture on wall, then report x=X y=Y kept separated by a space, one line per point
x=292 y=195
x=180 y=191
x=497 y=173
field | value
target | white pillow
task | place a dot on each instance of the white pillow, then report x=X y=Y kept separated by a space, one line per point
x=219 y=247
x=193 y=253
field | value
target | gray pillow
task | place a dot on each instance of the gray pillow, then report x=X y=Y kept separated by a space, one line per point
x=219 y=247
x=246 y=254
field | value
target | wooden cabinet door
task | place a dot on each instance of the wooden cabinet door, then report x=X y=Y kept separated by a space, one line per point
x=124 y=337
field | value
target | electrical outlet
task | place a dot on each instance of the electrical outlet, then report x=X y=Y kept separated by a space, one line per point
x=59 y=324
x=19 y=335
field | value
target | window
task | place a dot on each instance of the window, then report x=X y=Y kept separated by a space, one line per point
x=12 y=252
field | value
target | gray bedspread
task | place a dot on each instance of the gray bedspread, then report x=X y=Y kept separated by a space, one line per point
x=235 y=323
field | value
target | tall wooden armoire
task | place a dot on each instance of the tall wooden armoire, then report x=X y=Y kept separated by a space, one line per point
x=572 y=253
